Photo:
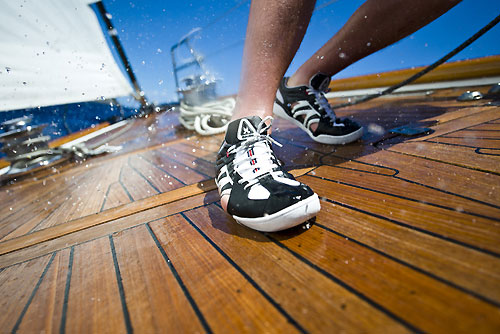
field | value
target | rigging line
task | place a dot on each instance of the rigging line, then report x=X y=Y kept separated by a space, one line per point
x=326 y=4
x=425 y=70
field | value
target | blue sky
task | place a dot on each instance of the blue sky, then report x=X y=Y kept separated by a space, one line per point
x=149 y=28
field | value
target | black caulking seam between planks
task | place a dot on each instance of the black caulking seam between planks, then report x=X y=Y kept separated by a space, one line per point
x=418 y=183
x=101 y=236
x=462 y=145
x=409 y=265
x=467 y=128
x=347 y=287
x=485 y=138
x=331 y=154
x=341 y=283
x=410 y=181
x=143 y=177
x=254 y=284
x=123 y=186
x=403 y=197
x=480 y=130
x=418 y=229
x=195 y=158
x=450 y=163
x=119 y=281
x=413 y=267
x=43 y=220
x=161 y=169
x=62 y=327
x=106 y=196
x=24 y=206
x=478 y=151
x=183 y=164
x=451 y=193
x=183 y=287
x=30 y=299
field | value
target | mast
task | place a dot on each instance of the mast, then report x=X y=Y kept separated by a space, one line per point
x=121 y=52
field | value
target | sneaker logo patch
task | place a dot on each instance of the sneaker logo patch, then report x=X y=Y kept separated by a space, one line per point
x=245 y=129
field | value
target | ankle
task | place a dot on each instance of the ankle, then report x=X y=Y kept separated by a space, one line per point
x=297 y=80
x=253 y=106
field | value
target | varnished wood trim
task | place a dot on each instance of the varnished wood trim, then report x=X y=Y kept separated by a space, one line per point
x=105 y=216
x=66 y=139
x=458 y=70
x=75 y=135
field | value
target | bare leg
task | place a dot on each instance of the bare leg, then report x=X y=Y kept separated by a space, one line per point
x=274 y=33
x=373 y=26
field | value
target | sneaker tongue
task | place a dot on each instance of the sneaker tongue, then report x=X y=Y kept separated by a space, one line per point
x=320 y=81
x=241 y=129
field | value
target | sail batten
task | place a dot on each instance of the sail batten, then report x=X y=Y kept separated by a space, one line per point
x=54 y=52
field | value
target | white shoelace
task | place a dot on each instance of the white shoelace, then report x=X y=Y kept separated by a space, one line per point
x=323 y=103
x=262 y=155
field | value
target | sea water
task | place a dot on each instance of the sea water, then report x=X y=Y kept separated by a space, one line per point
x=64 y=119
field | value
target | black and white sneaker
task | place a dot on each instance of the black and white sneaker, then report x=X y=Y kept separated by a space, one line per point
x=261 y=194
x=307 y=105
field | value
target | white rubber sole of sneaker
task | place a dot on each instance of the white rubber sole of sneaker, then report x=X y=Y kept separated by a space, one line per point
x=323 y=139
x=286 y=218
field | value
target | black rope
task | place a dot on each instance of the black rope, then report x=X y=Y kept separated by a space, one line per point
x=425 y=70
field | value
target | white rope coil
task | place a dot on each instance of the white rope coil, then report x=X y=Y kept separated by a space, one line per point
x=209 y=118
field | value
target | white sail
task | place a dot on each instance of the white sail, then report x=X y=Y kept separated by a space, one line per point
x=54 y=52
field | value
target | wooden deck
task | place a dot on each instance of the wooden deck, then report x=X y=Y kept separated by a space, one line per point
x=407 y=240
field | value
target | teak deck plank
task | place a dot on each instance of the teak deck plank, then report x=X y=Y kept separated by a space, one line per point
x=174 y=169
x=45 y=312
x=155 y=300
x=486 y=127
x=94 y=283
x=453 y=181
x=407 y=185
x=17 y=284
x=104 y=217
x=457 y=155
x=317 y=303
x=480 y=116
x=227 y=300
x=116 y=195
x=408 y=238
x=392 y=231
x=105 y=228
x=472 y=133
x=410 y=295
x=201 y=165
x=468 y=142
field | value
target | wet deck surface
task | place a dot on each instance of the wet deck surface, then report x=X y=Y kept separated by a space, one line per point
x=408 y=238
